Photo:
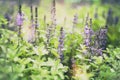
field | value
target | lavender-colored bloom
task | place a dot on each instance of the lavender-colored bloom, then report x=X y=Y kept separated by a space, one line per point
x=53 y=13
x=48 y=34
x=53 y=17
x=99 y=51
x=61 y=43
x=19 y=19
x=91 y=31
x=96 y=50
x=100 y=41
x=87 y=42
x=102 y=33
x=102 y=38
x=86 y=30
x=88 y=34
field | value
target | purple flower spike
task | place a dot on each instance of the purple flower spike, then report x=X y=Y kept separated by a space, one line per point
x=19 y=19
x=99 y=51
x=86 y=30
x=87 y=42
x=61 y=43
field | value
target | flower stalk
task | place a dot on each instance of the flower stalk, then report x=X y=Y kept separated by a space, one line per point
x=36 y=23
x=19 y=21
x=53 y=16
x=75 y=21
x=61 y=44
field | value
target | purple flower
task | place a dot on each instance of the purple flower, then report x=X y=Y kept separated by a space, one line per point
x=53 y=13
x=61 y=43
x=19 y=19
x=86 y=30
x=102 y=37
x=88 y=35
x=53 y=18
x=87 y=42
x=99 y=51
x=100 y=42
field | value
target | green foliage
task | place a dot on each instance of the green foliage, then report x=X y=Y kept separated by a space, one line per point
x=24 y=61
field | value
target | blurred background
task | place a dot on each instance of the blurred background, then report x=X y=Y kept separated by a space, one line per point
x=103 y=12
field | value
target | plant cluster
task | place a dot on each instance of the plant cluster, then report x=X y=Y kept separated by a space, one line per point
x=53 y=53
